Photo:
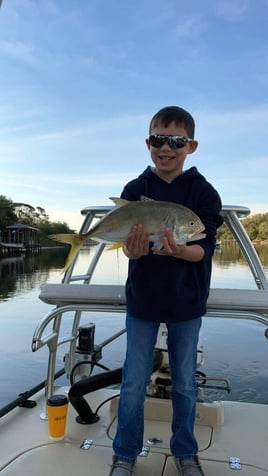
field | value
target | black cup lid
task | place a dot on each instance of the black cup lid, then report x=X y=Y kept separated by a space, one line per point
x=57 y=400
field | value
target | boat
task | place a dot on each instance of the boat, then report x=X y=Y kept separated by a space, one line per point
x=232 y=435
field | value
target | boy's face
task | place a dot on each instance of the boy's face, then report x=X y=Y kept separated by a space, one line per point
x=168 y=161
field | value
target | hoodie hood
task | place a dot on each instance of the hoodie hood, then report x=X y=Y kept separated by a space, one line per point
x=184 y=189
x=191 y=173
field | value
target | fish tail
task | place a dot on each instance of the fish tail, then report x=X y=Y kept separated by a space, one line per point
x=115 y=246
x=75 y=240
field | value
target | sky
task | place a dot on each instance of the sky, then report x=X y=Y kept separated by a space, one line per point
x=81 y=79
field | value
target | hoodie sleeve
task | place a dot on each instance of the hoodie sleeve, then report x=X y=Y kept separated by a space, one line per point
x=208 y=209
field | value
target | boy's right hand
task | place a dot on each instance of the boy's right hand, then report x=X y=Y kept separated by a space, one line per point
x=137 y=243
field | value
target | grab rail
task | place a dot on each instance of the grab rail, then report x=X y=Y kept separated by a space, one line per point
x=71 y=297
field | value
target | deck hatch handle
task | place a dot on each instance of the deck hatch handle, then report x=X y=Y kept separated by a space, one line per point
x=144 y=452
x=154 y=441
x=86 y=444
x=234 y=462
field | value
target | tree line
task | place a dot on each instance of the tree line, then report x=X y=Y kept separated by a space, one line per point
x=14 y=212
x=255 y=225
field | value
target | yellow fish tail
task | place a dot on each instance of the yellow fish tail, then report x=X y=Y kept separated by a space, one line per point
x=75 y=240
x=115 y=246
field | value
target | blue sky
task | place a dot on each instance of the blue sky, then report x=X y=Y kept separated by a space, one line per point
x=80 y=80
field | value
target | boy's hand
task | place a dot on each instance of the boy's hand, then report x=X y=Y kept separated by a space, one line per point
x=137 y=243
x=170 y=247
x=193 y=253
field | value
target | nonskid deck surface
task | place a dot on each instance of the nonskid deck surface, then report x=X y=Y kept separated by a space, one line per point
x=25 y=446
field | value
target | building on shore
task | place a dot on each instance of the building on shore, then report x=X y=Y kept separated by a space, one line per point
x=20 y=238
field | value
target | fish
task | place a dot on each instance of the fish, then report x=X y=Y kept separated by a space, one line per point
x=114 y=227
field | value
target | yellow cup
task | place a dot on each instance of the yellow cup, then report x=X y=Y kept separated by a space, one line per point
x=57 y=406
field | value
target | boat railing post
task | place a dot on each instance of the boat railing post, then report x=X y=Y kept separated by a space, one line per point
x=52 y=346
x=234 y=224
x=75 y=326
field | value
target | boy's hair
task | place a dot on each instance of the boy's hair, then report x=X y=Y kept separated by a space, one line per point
x=174 y=114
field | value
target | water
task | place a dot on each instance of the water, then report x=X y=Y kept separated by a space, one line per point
x=235 y=350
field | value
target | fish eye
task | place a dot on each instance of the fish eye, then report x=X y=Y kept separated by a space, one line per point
x=191 y=223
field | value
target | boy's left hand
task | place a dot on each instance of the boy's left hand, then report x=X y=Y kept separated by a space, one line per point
x=170 y=247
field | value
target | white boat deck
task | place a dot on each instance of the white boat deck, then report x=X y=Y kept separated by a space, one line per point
x=223 y=430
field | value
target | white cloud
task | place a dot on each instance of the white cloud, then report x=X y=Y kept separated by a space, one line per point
x=88 y=60
x=18 y=50
x=233 y=10
x=188 y=26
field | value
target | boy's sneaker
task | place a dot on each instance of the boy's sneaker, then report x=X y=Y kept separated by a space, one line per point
x=122 y=468
x=188 y=467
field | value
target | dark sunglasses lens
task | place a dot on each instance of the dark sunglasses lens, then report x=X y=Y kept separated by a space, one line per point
x=173 y=142
x=176 y=142
x=157 y=142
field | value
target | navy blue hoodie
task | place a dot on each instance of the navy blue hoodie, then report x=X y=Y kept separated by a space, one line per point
x=165 y=288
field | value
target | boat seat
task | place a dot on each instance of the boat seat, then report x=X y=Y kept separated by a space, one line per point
x=250 y=300
x=62 y=294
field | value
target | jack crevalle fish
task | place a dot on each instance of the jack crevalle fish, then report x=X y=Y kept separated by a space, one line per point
x=154 y=215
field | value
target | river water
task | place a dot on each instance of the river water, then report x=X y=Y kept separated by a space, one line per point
x=236 y=350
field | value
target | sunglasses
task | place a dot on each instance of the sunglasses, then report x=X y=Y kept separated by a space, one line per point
x=174 y=142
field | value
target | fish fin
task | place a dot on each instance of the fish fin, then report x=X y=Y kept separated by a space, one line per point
x=119 y=202
x=115 y=246
x=75 y=240
x=146 y=199
x=157 y=241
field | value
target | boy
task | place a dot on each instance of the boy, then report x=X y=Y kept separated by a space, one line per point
x=170 y=285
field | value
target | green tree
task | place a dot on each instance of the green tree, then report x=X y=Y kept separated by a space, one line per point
x=7 y=212
x=50 y=228
x=263 y=230
x=25 y=213
x=19 y=212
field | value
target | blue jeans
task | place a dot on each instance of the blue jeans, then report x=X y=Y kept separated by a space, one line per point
x=182 y=349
